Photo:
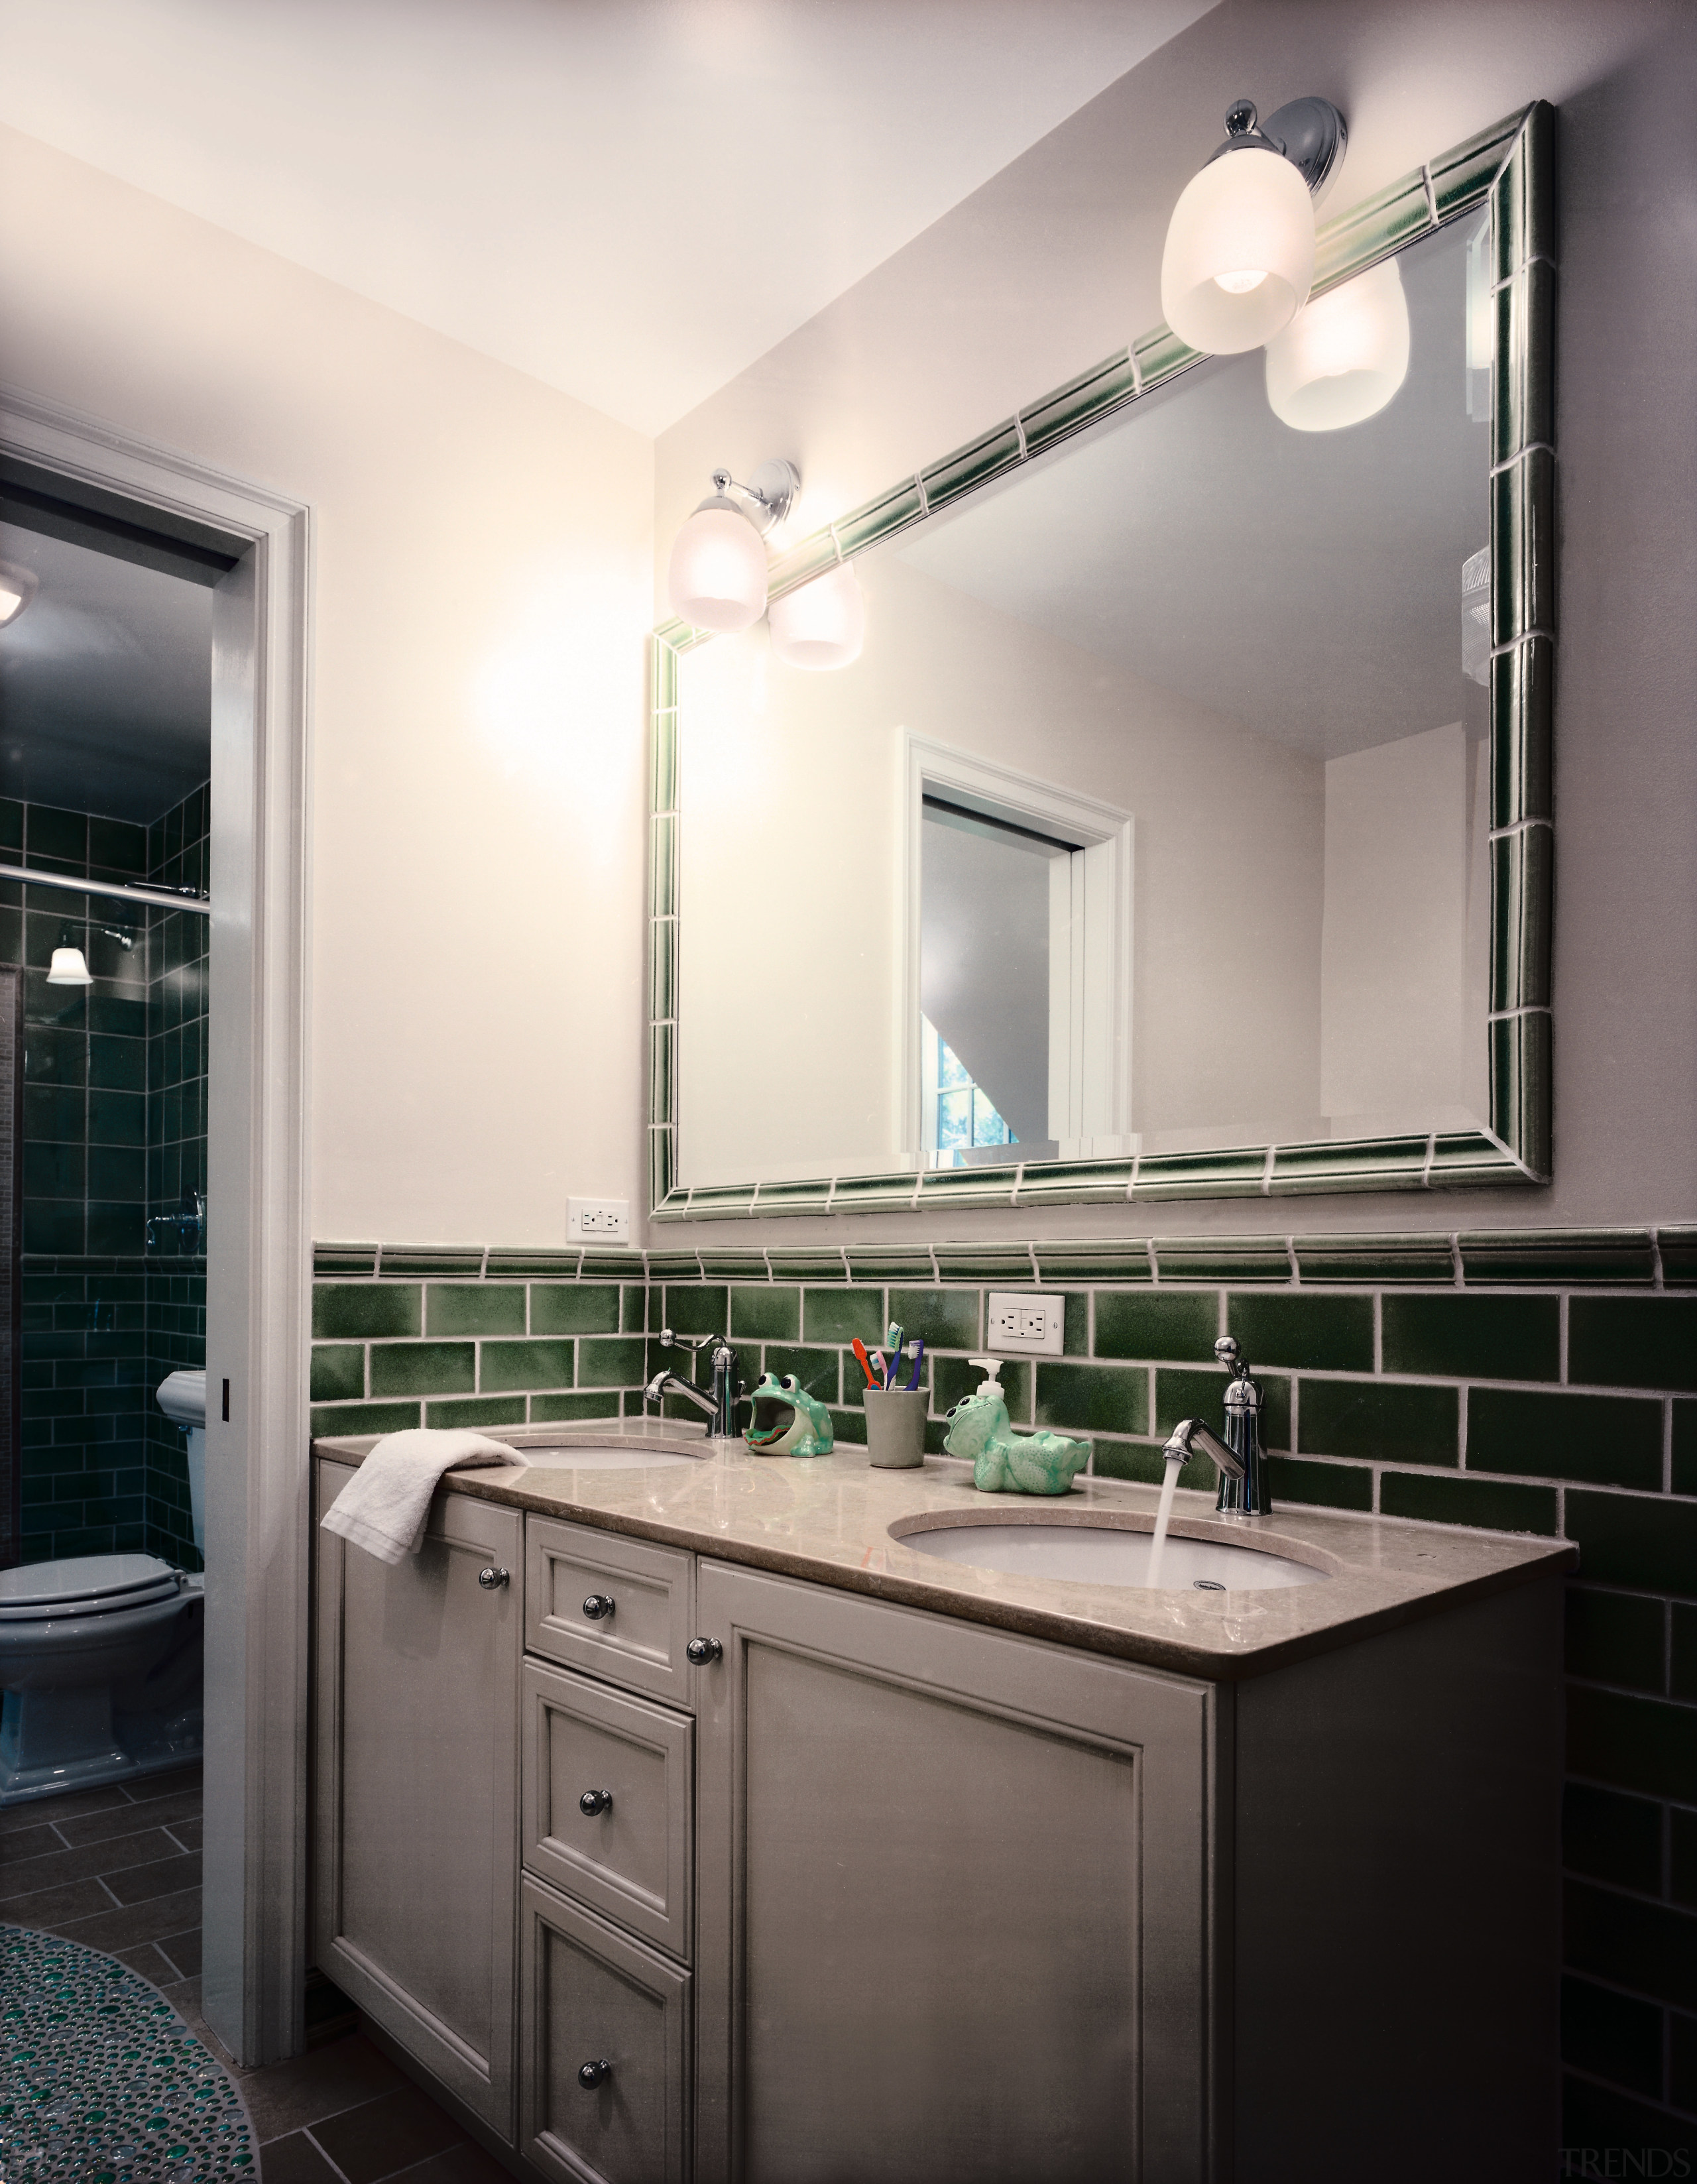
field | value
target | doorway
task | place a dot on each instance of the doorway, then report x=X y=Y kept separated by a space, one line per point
x=73 y=482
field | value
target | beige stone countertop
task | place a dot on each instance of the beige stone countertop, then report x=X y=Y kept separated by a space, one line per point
x=829 y=1519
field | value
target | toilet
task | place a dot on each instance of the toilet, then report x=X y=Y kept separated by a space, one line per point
x=100 y=1655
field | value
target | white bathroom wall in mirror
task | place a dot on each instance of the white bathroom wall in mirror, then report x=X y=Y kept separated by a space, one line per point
x=1243 y=641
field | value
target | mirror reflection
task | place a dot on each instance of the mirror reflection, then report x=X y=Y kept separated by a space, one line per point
x=1152 y=815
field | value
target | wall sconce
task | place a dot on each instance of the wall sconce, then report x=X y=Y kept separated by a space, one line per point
x=821 y=624
x=717 y=576
x=68 y=968
x=17 y=588
x=1239 y=259
x=1342 y=357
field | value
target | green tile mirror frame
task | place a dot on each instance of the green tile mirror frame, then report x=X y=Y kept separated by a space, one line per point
x=1507 y=171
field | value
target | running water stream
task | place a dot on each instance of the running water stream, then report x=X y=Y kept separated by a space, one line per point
x=1162 y=1517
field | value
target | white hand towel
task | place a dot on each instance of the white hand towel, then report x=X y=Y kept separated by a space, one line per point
x=385 y=1506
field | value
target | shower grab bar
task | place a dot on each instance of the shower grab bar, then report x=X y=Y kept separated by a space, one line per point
x=161 y=897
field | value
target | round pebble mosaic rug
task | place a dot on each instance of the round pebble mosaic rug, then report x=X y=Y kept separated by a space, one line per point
x=103 y=2082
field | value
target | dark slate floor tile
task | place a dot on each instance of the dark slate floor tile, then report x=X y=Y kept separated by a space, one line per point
x=27 y=1842
x=183 y=1951
x=127 y=1820
x=165 y=1877
x=147 y=1960
x=24 y=1876
x=296 y=2160
x=188 y=1833
x=51 y=1811
x=48 y=1909
x=460 y=2164
x=384 y=2137
x=135 y=1922
x=287 y=2097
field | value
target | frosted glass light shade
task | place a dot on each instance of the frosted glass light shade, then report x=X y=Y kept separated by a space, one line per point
x=717 y=576
x=821 y=624
x=68 y=968
x=1239 y=260
x=17 y=589
x=1344 y=356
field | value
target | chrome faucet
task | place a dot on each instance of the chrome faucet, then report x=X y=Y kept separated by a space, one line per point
x=1239 y=1458
x=721 y=1405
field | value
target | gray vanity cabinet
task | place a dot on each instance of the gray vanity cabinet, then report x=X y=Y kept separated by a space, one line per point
x=956 y=1902
x=415 y=1882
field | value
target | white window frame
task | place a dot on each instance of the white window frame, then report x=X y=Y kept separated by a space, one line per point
x=1090 y=928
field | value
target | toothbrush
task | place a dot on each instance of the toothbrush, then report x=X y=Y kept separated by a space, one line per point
x=872 y=1379
x=918 y=1358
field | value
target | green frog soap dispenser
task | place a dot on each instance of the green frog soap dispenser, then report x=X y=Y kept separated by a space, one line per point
x=1002 y=1461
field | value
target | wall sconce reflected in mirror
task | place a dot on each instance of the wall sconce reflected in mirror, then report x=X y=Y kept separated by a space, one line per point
x=18 y=587
x=1344 y=356
x=1239 y=257
x=820 y=625
x=717 y=576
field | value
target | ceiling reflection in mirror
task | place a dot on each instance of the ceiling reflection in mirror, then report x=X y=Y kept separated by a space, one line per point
x=1151 y=816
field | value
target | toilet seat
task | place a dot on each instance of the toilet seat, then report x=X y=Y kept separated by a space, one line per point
x=84 y=1585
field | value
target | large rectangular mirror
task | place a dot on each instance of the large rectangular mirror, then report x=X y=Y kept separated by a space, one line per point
x=1172 y=833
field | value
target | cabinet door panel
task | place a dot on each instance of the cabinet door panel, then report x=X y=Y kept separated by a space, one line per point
x=954 y=1903
x=635 y=1860
x=416 y=1875
x=641 y=1642
x=592 y=1995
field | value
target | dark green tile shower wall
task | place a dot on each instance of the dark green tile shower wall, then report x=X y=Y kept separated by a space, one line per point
x=1527 y=1380
x=103 y=1322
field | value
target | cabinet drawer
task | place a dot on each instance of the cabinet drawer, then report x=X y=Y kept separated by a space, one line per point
x=639 y=1641
x=593 y=1995
x=633 y=1858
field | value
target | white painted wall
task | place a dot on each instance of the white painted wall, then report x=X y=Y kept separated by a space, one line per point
x=482 y=548
x=1393 y=941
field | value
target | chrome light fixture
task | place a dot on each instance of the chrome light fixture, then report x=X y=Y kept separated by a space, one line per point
x=822 y=624
x=17 y=588
x=1239 y=258
x=717 y=576
x=1344 y=356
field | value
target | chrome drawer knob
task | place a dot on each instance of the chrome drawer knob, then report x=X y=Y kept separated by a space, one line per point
x=493 y=1577
x=595 y=1800
x=598 y=1606
x=703 y=1651
x=591 y=2074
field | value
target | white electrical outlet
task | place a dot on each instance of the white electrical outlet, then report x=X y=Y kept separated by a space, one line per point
x=1030 y=1323
x=597 y=1220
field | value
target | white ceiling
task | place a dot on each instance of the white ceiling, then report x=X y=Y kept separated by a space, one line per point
x=105 y=683
x=631 y=199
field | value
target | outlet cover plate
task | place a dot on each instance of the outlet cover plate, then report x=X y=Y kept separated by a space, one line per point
x=598 y=1220
x=1023 y=1325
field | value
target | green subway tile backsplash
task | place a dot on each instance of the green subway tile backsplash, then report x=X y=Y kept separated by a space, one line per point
x=767 y=1314
x=1085 y=1399
x=1633 y=1342
x=1489 y=1504
x=1392 y=1423
x=504 y=1366
x=948 y=1319
x=574 y=1308
x=1616 y=1638
x=423 y=1368
x=841 y=1316
x=1323 y=1332
x=474 y=1308
x=1485 y=1338
x=1608 y=1440
x=1154 y=1323
x=348 y=1310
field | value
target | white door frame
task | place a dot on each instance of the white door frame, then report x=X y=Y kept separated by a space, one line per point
x=258 y=1235
x=1090 y=950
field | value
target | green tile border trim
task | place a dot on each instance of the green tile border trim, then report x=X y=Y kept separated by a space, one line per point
x=1509 y=169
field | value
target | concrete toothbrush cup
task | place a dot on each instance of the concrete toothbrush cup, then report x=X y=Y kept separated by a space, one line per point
x=896 y=1428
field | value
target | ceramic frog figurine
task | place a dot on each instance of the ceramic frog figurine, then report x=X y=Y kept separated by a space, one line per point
x=1002 y=1461
x=786 y=1421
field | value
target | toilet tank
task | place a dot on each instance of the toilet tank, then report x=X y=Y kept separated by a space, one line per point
x=182 y=1398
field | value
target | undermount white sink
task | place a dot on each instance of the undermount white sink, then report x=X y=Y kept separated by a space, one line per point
x=1100 y=1554
x=632 y=1456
